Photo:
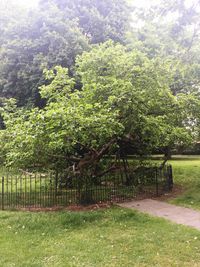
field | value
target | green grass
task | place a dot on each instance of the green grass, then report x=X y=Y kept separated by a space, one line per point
x=187 y=174
x=114 y=237
x=108 y=238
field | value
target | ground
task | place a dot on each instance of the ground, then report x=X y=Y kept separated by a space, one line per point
x=187 y=177
x=162 y=209
x=110 y=237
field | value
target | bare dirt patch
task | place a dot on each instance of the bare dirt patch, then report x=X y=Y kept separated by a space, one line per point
x=176 y=191
x=69 y=208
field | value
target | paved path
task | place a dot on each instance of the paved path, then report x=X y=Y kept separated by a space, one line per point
x=173 y=213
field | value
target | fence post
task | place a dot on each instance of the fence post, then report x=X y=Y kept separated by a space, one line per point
x=56 y=187
x=156 y=182
x=170 y=178
x=2 y=194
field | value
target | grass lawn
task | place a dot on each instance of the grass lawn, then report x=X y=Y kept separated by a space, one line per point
x=113 y=237
x=187 y=174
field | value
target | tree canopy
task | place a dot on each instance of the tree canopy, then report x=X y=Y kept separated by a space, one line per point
x=40 y=40
x=53 y=34
x=125 y=99
x=80 y=82
x=171 y=29
x=99 y=20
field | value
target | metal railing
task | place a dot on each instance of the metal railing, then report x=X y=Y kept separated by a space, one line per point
x=50 y=190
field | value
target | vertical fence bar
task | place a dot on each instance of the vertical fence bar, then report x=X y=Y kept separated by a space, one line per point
x=16 y=195
x=51 y=192
x=7 y=194
x=44 y=192
x=25 y=198
x=56 y=187
x=20 y=191
x=171 y=177
x=2 y=195
x=11 y=179
x=156 y=176
x=35 y=190
x=30 y=190
x=40 y=194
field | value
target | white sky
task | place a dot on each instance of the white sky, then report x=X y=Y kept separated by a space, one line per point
x=139 y=3
x=32 y=3
x=144 y=3
x=27 y=3
x=148 y=3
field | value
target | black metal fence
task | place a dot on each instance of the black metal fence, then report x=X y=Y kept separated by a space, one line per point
x=50 y=190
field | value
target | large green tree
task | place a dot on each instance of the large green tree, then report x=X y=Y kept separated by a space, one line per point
x=125 y=99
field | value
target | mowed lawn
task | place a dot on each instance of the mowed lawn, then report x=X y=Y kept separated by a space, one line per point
x=113 y=237
x=110 y=237
x=186 y=171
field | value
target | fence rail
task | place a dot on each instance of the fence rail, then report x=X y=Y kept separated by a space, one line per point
x=50 y=190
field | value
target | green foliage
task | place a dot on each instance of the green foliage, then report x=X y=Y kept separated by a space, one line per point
x=141 y=89
x=51 y=35
x=171 y=29
x=99 y=20
x=40 y=39
x=125 y=98
x=143 y=96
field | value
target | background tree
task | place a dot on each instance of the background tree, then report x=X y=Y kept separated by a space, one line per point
x=99 y=20
x=171 y=29
x=39 y=40
x=53 y=34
